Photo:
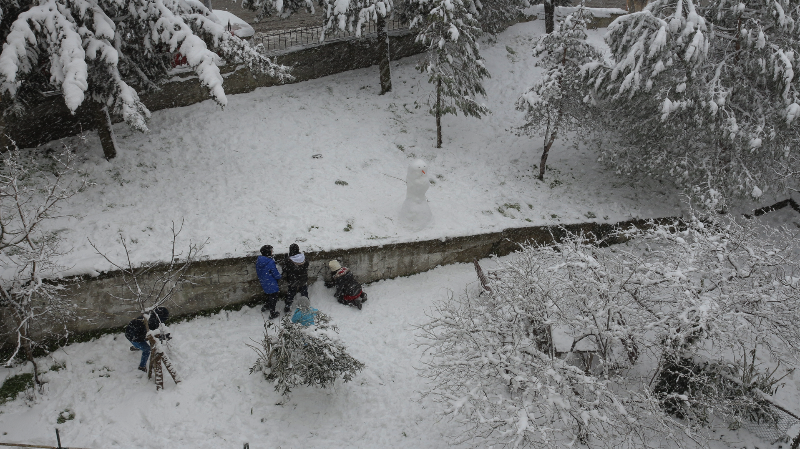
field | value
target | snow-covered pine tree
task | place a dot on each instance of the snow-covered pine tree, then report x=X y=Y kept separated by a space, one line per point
x=494 y=16
x=291 y=354
x=453 y=62
x=106 y=51
x=709 y=96
x=282 y=8
x=554 y=105
x=354 y=16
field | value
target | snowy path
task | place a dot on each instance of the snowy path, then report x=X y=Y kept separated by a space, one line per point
x=245 y=176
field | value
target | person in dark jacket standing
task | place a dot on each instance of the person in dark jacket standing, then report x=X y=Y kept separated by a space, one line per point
x=295 y=273
x=269 y=276
x=136 y=332
x=348 y=289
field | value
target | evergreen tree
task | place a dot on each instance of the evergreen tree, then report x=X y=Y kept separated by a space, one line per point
x=453 y=62
x=554 y=105
x=353 y=16
x=709 y=95
x=107 y=50
x=282 y=8
x=494 y=16
x=292 y=354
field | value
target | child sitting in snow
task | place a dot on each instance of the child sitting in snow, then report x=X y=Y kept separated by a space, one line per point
x=304 y=314
x=348 y=289
x=295 y=273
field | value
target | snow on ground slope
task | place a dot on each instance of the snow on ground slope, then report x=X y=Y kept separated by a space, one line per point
x=246 y=176
x=220 y=405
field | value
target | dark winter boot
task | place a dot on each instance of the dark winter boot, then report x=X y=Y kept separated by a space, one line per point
x=274 y=314
x=134 y=348
x=363 y=296
x=357 y=303
x=141 y=368
x=287 y=309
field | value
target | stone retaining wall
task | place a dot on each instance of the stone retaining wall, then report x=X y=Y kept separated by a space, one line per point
x=226 y=282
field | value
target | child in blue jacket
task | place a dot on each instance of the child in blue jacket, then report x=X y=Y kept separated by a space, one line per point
x=269 y=276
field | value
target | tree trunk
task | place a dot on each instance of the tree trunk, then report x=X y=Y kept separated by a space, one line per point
x=439 y=113
x=383 y=50
x=548 y=142
x=26 y=344
x=549 y=16
x=106 y=132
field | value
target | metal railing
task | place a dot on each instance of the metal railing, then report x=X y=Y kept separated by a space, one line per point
x=282 y=39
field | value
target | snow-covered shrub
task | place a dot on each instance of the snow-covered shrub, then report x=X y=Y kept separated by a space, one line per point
x=292 y=354
x=108 y=50
x=554 y=105
x=453 y=62
x=706 y=95
x=577 y=341
x=31 y=193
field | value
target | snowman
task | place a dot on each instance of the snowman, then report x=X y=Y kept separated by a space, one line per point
x=415 y=213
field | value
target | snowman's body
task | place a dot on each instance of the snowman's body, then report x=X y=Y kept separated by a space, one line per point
x=415 y=212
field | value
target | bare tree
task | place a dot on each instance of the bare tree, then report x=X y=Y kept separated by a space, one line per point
x=580 y=342
x=31 y=193
x=152 y=284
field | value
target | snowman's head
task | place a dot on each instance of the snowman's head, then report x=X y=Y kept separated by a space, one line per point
x=417 y=169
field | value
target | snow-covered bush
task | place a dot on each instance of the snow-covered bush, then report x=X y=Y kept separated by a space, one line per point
x=292 y=354
x=453 y=62
x=31 y=193
x=108 y=50
x=554 y=105
x=575 y=342
x=707 y=95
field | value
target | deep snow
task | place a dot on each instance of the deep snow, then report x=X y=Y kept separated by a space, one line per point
x=246 y=176
x=220 y=405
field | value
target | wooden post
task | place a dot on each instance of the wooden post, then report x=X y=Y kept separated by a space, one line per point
x=384 y=55
x=549 y=16
x=105 y=131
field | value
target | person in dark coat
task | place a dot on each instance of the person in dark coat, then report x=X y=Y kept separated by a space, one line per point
x=136 y=332
x=268 y=276
x=348 y=289
x=295 y=273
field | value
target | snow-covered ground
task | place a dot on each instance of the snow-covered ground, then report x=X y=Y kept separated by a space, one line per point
x=246 y=176
x=220 y=405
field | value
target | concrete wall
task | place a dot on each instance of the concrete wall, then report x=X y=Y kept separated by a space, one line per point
x=232 y=281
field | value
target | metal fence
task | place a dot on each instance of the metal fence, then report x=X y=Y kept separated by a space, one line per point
x=282 y=39
x=775 y=429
